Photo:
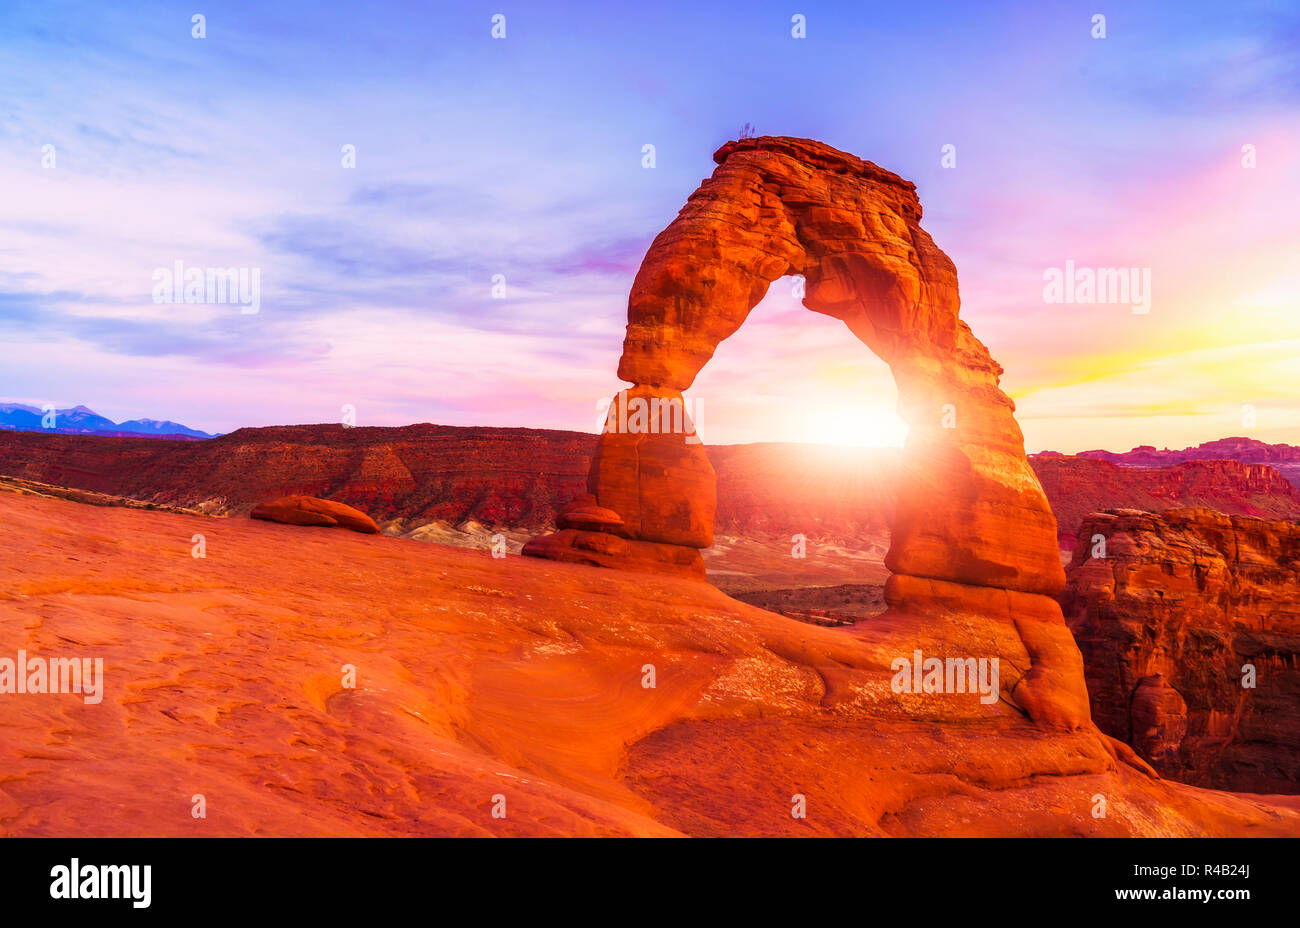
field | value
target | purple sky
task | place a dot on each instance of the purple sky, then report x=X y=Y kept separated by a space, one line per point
x=522 y=157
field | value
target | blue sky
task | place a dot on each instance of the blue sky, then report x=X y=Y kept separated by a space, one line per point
x=522 y=157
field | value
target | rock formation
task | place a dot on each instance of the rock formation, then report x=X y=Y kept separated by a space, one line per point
x=307 y=510
x=586 y=514
x=1169 y=621
x=973 y=535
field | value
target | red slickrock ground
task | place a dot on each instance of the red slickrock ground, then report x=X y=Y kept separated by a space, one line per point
x=519 y=677
x=1167 y=620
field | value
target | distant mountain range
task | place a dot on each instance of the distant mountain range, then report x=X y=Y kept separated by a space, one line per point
x=81 y=420
x=1246 y=450
x=1285 y=458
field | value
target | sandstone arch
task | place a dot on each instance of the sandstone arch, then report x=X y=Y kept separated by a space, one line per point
x=973 y=533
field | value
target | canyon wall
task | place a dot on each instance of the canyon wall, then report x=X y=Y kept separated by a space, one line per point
x=513 y=478
x=1177 y=614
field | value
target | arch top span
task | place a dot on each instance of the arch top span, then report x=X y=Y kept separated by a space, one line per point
x=779 y=206
x=972 y=523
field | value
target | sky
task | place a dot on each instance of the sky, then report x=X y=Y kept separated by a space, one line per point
x=520 y=160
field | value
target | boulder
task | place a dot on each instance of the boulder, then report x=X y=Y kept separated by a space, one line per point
x=309 y=510
x=586 y=514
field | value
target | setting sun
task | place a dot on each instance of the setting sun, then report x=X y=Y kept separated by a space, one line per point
x=864 y=426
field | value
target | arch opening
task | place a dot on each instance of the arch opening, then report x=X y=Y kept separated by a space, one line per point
x=791 y=375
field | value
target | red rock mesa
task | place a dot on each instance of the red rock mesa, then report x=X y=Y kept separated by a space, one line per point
x=974 y=539
x=1077 y=487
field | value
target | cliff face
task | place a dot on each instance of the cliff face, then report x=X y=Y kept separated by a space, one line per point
x=1171 y=622
x=508 y=477
x=845 y=494
x=522 y=478
x=514 y=477
x=1078 y=487
x=1238 y=449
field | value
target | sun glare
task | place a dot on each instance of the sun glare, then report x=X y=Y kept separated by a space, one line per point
x=853 y=427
